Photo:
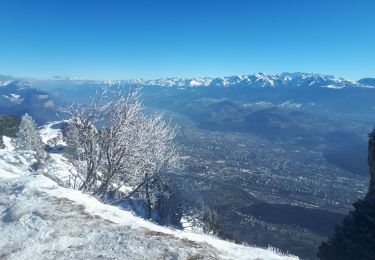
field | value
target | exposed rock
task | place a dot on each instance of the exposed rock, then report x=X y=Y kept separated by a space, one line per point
x=371 y=163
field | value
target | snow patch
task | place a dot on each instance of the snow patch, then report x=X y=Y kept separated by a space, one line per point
x=7 y=141
x=14 y=98
x=290 y=104
x=52 y=135
x=332 y=86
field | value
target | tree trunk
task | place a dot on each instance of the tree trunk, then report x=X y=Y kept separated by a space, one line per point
x=148 y=202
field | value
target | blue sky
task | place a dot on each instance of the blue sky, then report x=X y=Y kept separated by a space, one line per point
x=118 y=39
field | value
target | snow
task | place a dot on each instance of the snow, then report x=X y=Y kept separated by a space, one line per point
x=194 y=83
x=63 y=171
x=40 y=219
x=201 y=81
x=12 y=162
x=297 y=79
x=50 y=134
x=7 y=141
x=265 y=77
x=289 y=104
x=41 y=229
x=43 y=96
x=260 y=103
x=5 y=83
x=332 y=86
x=14 y=98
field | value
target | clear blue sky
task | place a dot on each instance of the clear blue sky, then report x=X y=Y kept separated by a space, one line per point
x=119 y=39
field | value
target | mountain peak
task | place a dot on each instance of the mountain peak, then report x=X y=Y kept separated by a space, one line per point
x=257 y=80
x=260 y=79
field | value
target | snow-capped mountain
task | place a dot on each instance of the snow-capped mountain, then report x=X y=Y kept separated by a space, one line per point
x=283 y=80
x=40 y=98
x=258 y=80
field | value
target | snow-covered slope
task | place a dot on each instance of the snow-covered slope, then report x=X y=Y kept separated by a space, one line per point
x=42 y=220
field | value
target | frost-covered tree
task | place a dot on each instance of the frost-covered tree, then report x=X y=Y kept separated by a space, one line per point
x=84 y=150
x=158 y=156
x=120 y=141
x=121 y=146
x=28 y=137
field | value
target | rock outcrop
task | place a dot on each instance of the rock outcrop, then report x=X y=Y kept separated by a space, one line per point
x=371 y=163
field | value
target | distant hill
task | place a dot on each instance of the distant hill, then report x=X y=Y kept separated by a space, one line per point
x=18 y=98
x=367 y=81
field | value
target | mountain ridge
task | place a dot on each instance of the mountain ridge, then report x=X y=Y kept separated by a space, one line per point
x=257 y=80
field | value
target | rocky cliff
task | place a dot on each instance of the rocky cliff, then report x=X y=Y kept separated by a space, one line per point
x=371 y=163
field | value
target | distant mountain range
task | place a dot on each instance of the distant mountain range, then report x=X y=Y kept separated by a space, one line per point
x=262 y=80
x=18 y=98
x=41 y=97
x=283 y=80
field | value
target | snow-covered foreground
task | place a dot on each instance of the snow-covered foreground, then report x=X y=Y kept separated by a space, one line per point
x=41 y=220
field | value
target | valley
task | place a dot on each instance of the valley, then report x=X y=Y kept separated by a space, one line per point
x=280 y=166
x=267 y=192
